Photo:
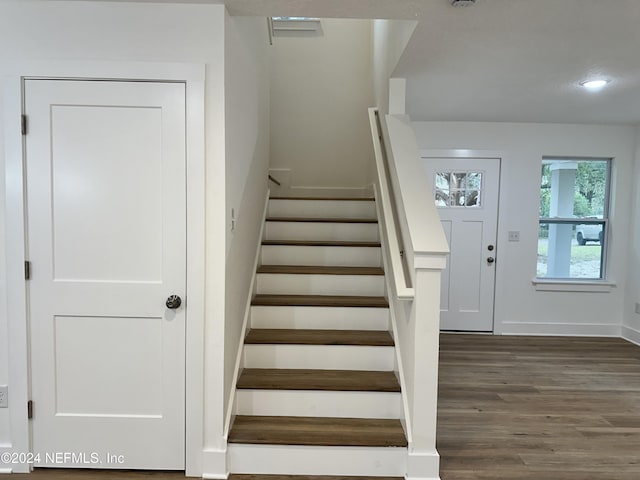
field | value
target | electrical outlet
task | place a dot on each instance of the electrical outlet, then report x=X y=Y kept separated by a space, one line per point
x=638 y=308
x=4 y=396
x=514 y=236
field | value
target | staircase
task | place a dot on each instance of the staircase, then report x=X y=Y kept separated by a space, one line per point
x=318 y=395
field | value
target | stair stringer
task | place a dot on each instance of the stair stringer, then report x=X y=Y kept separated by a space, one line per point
x=231 y=408
x=419 y=465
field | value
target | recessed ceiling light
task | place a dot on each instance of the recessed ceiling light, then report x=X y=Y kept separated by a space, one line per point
x=462 y=3
x=594 y=84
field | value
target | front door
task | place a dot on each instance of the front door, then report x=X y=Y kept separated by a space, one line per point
x=466 y=194
x=106 y=208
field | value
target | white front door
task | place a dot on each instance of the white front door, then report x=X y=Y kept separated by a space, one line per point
x=466 y=193
x=106 y=208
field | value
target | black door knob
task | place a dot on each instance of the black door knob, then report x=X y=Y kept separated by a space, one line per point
x=173 y=302
x=491 y=260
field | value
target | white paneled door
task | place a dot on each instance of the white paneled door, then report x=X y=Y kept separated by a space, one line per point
x=106 y=208
x=466 y=194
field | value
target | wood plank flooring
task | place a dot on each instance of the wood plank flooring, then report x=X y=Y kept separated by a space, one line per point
x=380 y=338
x=322 y=220
x=517 y=408
x=320 y=301
x=236 y=476
x=328 y=380
x=319 y=270
x=525 y=408
x=331 y=199
x=90 y=474
x=323 y=431
x=321 y=243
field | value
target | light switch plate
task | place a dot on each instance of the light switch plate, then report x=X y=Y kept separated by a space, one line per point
x=514 y=236
x=4 y=396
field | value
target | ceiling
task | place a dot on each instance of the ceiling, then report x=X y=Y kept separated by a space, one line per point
x=502 y=60
x=505 y=60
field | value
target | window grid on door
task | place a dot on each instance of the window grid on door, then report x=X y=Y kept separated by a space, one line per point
x=458 y=189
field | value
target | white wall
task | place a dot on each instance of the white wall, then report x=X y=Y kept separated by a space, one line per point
x=390 y=38
x=247 y=164
x=519 y=307
x=321 y=87
x=96 y=31
x=631 y=329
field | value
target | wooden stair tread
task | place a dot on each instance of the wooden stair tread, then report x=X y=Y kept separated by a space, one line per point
x=319 y=270
x=317 y=431
x=337 y=199
x=258 y=476
x=319 y=337
x=320 y=301
x=328 y=380
x=320 y=243
x=322 y=220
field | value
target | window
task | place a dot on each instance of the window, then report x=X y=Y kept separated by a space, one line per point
x=458 y=189
x=574 y=204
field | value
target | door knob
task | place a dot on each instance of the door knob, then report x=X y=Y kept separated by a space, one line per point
x=173 y=302
x=491 y=260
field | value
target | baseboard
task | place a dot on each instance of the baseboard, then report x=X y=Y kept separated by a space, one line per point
x=631 y=334
x=247 y=313
x=423 y=466
x=560 y=329
x=214 y=464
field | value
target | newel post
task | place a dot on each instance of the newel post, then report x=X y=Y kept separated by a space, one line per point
x=423 y=460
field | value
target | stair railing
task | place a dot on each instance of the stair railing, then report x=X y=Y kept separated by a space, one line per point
x=414 y=250
x=390 y=218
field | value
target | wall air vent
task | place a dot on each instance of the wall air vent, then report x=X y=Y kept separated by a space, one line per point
x=295 y=24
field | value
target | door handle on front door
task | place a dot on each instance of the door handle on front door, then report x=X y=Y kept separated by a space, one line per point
x=173 y=302
x=490 y=260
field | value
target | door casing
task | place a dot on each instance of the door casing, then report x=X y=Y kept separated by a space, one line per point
x=193 y=76
x=500 y=232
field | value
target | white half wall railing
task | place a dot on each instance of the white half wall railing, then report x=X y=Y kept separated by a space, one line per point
x=415 y=252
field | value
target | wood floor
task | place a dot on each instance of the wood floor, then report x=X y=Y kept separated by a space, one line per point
x=525 y=408
x=520 y=408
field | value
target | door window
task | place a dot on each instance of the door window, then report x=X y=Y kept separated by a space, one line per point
x=455 y=189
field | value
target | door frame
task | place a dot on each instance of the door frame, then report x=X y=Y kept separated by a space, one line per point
x=17 y=302
x=501 y=233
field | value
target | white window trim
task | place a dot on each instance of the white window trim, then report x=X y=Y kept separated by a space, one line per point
x=602 y=285
x=573 y=285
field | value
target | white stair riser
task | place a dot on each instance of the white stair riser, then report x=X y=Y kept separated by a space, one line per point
x=307 y=403
x=322 y=208
x=346 y=232
x=303 y=460
x=326 y=357
x=326 y=256
x=286 y=284
x=320 y=318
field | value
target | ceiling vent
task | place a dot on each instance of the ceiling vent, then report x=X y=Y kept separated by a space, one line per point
x=462 y=3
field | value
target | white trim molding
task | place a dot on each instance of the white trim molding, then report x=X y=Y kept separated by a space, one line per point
x=193 y=76
x=551 y=285
x=631 y=334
